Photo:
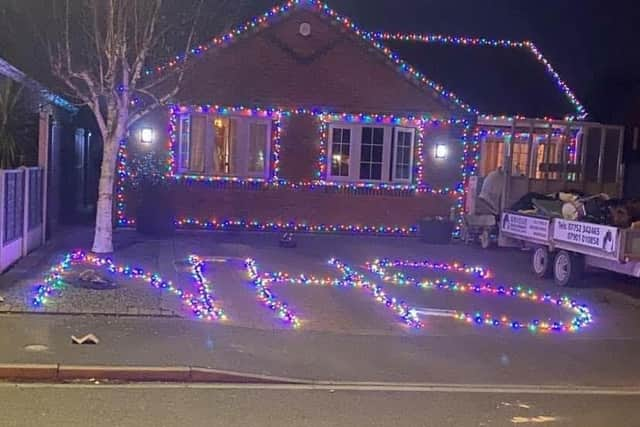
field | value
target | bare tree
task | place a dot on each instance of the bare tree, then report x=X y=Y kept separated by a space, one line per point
x=10 y=94
x=102 y=51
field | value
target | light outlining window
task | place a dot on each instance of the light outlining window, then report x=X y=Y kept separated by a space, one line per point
x=216 y=145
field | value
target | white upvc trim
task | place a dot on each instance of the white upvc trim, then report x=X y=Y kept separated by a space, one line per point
x=412 y=131
x=352 y=151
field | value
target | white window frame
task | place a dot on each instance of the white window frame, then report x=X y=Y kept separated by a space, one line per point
x=355 y=150
x=182 y=150
x=352 y=145
x=396 y=131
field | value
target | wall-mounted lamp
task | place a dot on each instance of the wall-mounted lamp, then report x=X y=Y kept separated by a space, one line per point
x=441 y=151
x=146 y=135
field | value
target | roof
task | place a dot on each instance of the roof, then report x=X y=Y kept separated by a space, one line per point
x=479 y=76
x=8 y=70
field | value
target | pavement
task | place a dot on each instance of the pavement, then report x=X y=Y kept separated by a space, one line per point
x=345 y=335
x=159 y=405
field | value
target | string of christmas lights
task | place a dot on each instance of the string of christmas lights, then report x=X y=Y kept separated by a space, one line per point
x=275 y=12
x=354 y=279
x=202 y=305
x=374 y=38
x=350 y=279
x=267 y=297
x=455 y=267
x=582 y=315
x=325 y=118
x=206 y=296
x=214 y=224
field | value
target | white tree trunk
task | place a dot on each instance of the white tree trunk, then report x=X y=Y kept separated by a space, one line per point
x=103 y=237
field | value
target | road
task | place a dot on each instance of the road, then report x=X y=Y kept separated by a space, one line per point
x=270 y=406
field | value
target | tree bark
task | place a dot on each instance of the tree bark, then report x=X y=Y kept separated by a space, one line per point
x=102 y=240
x=103 y=236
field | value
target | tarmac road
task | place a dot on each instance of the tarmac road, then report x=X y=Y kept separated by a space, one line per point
x=158 y=405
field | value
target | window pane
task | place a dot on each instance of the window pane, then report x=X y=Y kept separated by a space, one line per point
x=185 y=131
x=257 y=147
x=377 y=154
x=340 y=152
x=376 y=171
x=337 y=135
x=197 y=143
x=378 y=136
x=371 y=153
x=366 y=135
x=402 y=161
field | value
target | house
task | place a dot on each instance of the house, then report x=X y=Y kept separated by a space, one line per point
x=301 y=120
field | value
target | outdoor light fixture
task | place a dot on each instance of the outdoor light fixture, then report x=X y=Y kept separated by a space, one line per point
x=441 y=151
x=146 y=135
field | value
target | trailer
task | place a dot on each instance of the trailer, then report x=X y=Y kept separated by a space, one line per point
x=562 y=248
x=540 y=156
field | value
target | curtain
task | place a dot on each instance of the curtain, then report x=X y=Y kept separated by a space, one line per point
x=197 y=143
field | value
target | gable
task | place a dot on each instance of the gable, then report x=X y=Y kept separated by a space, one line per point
x=331 y=68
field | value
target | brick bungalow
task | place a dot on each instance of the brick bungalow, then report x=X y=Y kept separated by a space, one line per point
x=301 y=120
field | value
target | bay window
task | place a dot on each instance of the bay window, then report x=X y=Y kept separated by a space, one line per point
x=370 y=153
x=223 y=146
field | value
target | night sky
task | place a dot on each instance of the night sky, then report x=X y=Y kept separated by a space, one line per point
x=593 y=44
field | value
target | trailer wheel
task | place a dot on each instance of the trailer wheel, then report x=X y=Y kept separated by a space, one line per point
x=567 y=268
x=542 y=262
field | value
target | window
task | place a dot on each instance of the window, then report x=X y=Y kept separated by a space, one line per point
x=213 y=145
x=197 y=143
x=183 y=148
x=340 y=151
x=371 y=150
x=224 y=146
x=520 y=158
x=258 y=136
x=368 y=153
x=403 y=154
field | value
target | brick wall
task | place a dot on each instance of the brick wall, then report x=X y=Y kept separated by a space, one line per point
x=300 y=148
x=331 y=69
x=321 y=206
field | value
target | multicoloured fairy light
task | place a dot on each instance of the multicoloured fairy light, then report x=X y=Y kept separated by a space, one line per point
x=201 y=305
x=400 y=308
x=214 y=224
x=206 y=296
x=455 y=267
x=325 y=10
x=267 y=297
x=350 y=279
x=582 y=315
x=325 y=119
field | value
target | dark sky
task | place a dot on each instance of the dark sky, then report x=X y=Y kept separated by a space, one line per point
x=593 y=44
